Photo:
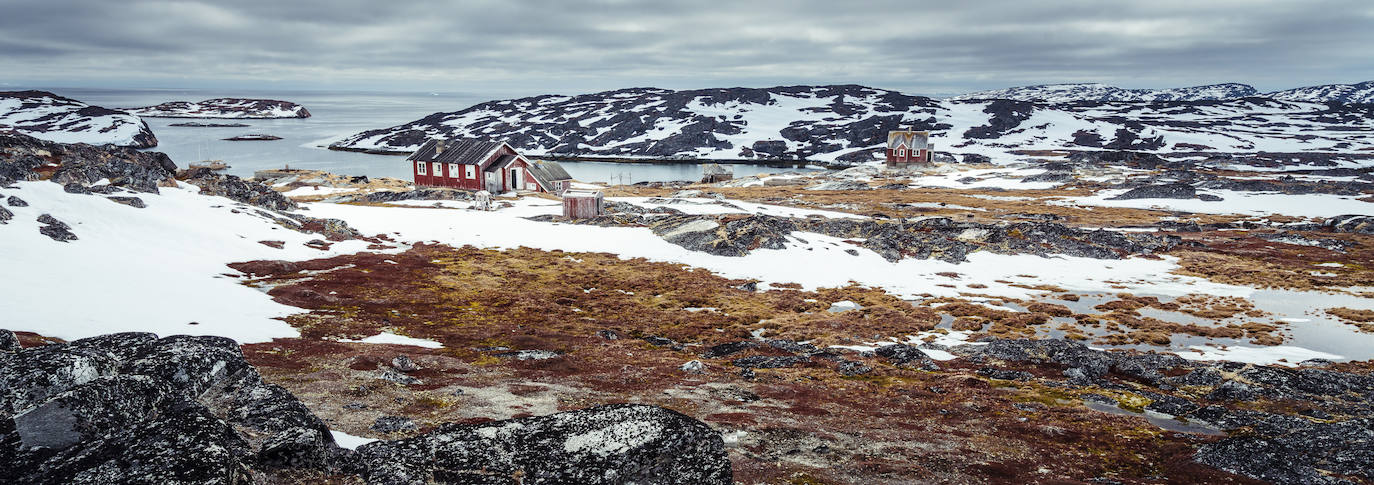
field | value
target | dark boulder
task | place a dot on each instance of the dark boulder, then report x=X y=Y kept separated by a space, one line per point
x=57 y=230
x=235 y=188
x=770 y=361
x=9 y=342
x=1356 y=223
x=730 y=348
x=613 y=444
x=15 y=201
x=129 y=201
x=1166 y=191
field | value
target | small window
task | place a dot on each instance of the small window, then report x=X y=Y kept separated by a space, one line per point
x=438 y=169
x=420 y=167
x=453 y=170
x=901 y=152
x=470 y=171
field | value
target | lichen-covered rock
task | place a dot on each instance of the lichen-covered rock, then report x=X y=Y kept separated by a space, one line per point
x=131 y=408
x=613 y=444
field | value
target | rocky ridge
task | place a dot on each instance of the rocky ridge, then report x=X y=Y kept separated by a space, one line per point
x=1358 y=93
x=1070 y=93
x=848 y=124
x=51 y=117
x=134 y=408
x=236 y=108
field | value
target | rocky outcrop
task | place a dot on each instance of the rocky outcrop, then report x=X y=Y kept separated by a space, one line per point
x=24 y=157
x=51 y=117
x=1170 y=191
x=1269 y=446
x=601 y=445
x=235 y=188
x=225 y=108
x=928 y=238
x=133 y=408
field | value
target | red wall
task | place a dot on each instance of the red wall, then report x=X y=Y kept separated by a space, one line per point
x=912 y=156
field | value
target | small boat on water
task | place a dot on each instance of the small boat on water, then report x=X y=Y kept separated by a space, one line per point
x=210 y=164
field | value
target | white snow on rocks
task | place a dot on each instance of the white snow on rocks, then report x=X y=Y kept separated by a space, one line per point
x=157 y=269
x=51 y=117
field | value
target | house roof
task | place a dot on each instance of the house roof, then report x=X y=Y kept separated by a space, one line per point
x=914 y=140
x=501 y=162
x=467 y=151
x=547 y=172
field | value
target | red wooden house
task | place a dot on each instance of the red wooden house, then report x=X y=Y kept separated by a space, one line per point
x=493 y=166
x=905 y=147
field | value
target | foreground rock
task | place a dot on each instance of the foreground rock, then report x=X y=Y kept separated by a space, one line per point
x=225 y=108
x=601 y=445
x=132 y=408
x=51 y=117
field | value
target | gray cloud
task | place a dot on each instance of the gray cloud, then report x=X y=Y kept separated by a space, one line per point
x=513 y=47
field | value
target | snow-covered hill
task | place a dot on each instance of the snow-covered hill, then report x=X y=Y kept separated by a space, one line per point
x=225 y=108
x=1329 y=93
x=51 y=117
x=1070 y=93
x=849 y=124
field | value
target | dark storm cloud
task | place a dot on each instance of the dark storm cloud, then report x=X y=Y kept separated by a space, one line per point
x=566 y=46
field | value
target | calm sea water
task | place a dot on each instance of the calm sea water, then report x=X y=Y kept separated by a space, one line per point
x=336 y=114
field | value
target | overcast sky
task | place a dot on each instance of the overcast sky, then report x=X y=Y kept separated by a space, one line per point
x=511 y=47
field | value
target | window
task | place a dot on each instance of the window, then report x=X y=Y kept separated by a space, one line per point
x=438 y=169
x=453 y=170
x=420 y=167
x=470 y=171
x=901 y=152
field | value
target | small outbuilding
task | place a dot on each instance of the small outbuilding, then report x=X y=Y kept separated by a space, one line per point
x=715 y=172
x=583 y=204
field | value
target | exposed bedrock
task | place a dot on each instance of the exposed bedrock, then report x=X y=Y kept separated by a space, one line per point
x=133 y=408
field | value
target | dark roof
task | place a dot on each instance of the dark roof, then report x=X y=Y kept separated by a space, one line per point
x=500 y=162
x=467 y=151
x=548 y=172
